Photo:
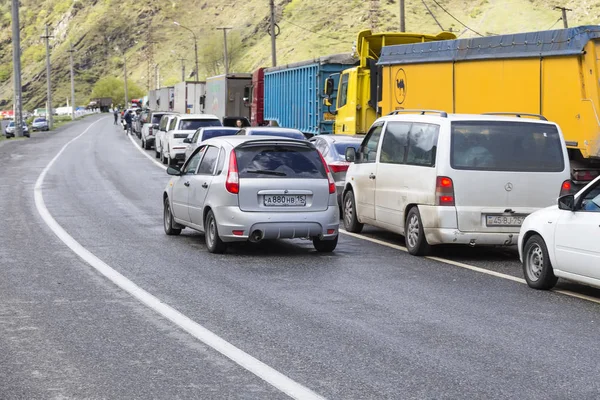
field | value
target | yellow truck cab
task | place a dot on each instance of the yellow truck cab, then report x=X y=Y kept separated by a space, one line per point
x=551 y=73
x=357 y=92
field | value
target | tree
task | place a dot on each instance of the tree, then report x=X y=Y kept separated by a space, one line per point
x=114 y=88
x=212 y=52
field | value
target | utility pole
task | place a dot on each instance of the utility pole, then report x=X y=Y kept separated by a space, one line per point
x=71 y=51
x=157 y=76
x=403 y=17
x=272 y=31
x=49 y=110
x=225 y=61
x=16 y=42
x=564 y=15
x=195 y=47
x=183 y=69
x=125 y=74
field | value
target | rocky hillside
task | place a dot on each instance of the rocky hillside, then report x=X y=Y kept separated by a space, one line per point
x=106 y=32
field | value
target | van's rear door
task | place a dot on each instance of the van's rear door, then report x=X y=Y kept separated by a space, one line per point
x=281 y=176
x=504 y=170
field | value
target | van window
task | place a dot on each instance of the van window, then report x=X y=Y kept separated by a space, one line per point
x=368 y=149
x=395 y=141
x=506 y=146
x=343 y=91
x=422 y=144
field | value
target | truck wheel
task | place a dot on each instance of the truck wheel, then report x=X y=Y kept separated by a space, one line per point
x=416 y=243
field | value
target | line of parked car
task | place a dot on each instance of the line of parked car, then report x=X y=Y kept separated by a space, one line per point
x=433 y=177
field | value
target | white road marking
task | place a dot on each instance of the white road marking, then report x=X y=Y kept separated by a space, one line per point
x=253 y=365
x=158 y=163
x=471 y=267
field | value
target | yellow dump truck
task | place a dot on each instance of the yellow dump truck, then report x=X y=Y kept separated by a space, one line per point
x=555 y=74
x=357 y=91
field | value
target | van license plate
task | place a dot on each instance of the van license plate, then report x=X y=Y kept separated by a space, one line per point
x=285 y=200
x=504 y=220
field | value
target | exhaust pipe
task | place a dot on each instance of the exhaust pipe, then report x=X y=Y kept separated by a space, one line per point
x=256 y=236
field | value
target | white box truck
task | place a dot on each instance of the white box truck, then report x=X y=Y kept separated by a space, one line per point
x=188 y=97
x=225 y=95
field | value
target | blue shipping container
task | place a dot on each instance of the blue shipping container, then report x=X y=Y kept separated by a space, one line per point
x=293 y=94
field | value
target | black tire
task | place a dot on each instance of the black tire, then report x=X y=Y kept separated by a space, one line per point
x=537 y=267
x=163 y=159
x=214 y=244
x=416 y=243
x=325 y=246
x=156 y=153
x=171 y=162
x=145 y=143
x=168 y=222
x=351 y=222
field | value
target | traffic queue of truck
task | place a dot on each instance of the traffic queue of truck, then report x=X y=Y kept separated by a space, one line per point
x=551 y=73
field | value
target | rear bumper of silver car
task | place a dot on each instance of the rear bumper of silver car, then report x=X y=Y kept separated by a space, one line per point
x=236 y=225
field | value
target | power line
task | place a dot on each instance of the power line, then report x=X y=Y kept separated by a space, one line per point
x=554 y=24
x=433 y=16
x=314 y=32
x=456 y=19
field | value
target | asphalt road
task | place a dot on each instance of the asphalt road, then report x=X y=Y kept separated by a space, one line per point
x=366 y=322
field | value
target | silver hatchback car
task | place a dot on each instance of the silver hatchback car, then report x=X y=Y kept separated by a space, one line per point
x=240 y=188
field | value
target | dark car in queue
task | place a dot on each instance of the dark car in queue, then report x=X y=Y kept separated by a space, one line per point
x=333 y=149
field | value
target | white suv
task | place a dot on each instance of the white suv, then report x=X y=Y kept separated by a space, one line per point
x=173 y=146
x=163 y=127
x=463 y=179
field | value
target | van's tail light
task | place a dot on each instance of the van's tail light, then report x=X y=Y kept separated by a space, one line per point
x=566 y=188
x=232 y=183
x=585 y=175
x=339 y=166
x=332 y=188
x=150 y=131
x=444 y=191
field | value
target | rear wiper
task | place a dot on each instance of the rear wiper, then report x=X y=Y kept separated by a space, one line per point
x=265 y=172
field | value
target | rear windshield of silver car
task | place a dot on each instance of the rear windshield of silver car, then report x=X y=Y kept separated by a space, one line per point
x=193 y=124
x=506 y=146
x=279 y=161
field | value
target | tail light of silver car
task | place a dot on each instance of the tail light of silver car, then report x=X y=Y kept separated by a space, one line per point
x=232 y=183
x=332 y=188
x=444 y=191
x=566 y=188
x=339 y=166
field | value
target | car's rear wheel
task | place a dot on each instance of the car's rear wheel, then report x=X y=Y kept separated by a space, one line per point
x=351 y=222
x=416 y=243
x=536 y=264
x=156 y=153
x=168 y=222
x=325 y=246
x=211 y=235
x=163 y=159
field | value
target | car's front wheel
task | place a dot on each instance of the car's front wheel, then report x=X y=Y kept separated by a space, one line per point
x=536 y=264
x=211 y=235
x=168 y=220
x=416 y=243
x=325 y=246
x=351 y=222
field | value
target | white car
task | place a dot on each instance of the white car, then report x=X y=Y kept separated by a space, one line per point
x=165 y=122
x=563 y=241
x=150 y=128
x=440 y=178
x=173 y=147
x=202 y=134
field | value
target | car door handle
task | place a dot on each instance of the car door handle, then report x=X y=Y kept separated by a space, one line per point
x=205 y=185
x=187 y=184
x=372 y=176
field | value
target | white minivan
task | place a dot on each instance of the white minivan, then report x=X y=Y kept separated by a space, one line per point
x=448 y=178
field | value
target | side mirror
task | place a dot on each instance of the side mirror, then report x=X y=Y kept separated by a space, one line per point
x=567 y=202
x=155 y=126
x=329 y=86
x=187 y=140
x=174 y=171
x=350 y=154
x=202 y=100
x=247 y=96
x=327 y=102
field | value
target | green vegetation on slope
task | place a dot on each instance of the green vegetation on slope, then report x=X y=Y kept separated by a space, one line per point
x=108 y=32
